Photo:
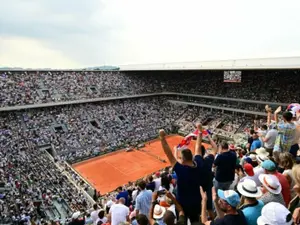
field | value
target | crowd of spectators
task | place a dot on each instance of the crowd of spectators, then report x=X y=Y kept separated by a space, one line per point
x=255 y=185
x=34 y=187
x=31 y=87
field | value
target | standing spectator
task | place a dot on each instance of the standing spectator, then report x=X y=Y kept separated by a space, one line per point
x=188 y=178
x=101 y=217
x=143 y=200
x=270 y=168
x=271 y=189
x=269 y=139
x=251 y=207
x=225 y=171
x=119 y=212
x=123 y=194
x=256 y=142
x=94 y=214
x=157 y=181
x=208 y=161
x=286 y=131
x=150 y=184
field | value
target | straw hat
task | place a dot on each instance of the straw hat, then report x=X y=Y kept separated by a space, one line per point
x=248 y=188
x=271 y=183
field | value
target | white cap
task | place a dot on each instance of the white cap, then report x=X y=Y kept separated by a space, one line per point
x=275 y=213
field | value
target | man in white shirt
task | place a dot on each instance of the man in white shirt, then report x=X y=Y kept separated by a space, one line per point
x=94 y=214
x=269 y=139
x=157 y=181
x=119 y=212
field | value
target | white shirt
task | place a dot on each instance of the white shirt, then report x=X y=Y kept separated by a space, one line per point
x=94 y=216
x=134 y=195
x=118 y=213
x=104 y=220
x=157 y=183
x=271 y=136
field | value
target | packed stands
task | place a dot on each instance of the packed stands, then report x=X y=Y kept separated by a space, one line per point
x=38 y=186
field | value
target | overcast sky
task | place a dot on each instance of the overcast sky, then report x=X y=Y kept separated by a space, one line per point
x=81 y=33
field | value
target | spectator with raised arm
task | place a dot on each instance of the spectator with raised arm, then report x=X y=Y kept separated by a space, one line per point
x=188 y=178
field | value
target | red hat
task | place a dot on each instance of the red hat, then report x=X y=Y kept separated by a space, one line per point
x=231 y=147
x=249 y=169
x=157 y=174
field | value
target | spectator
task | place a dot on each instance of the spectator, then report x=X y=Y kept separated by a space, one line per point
x=94 y=214
x=275 y=214
x=151 y=184
x=226 y=208
x=271 y=189
x=270 y=168
x=286 y=162
x=143 y=200
x=225 y=171
x=286 y=131
x=119 y=212
x=122 y=194
x=256 y=142
x=294 y=206
x=251 y=207
x=188 y=179
x=101 y=217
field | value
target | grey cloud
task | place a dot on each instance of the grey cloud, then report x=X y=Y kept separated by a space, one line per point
x=66 y=25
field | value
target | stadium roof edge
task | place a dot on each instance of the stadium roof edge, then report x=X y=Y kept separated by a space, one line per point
x=233 y=64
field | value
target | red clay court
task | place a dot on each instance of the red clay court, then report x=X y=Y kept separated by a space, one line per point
x=108 y=172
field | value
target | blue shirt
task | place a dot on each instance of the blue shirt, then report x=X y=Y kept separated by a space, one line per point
x=255 y=144
x=188 y=183
x=252 y=212
x=143 y=202
x=123 y=194
x=225 y=163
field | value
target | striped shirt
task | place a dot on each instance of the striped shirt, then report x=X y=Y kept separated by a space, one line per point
x=270 y=197
x=143 y=202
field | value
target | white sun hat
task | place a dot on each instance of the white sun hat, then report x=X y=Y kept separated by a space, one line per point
x=248 y=188
x=158 y=212
x=262 y=151
x=271 y=183
x=261 y=158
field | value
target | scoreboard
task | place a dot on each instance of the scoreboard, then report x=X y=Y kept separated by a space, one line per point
x=233 y=76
